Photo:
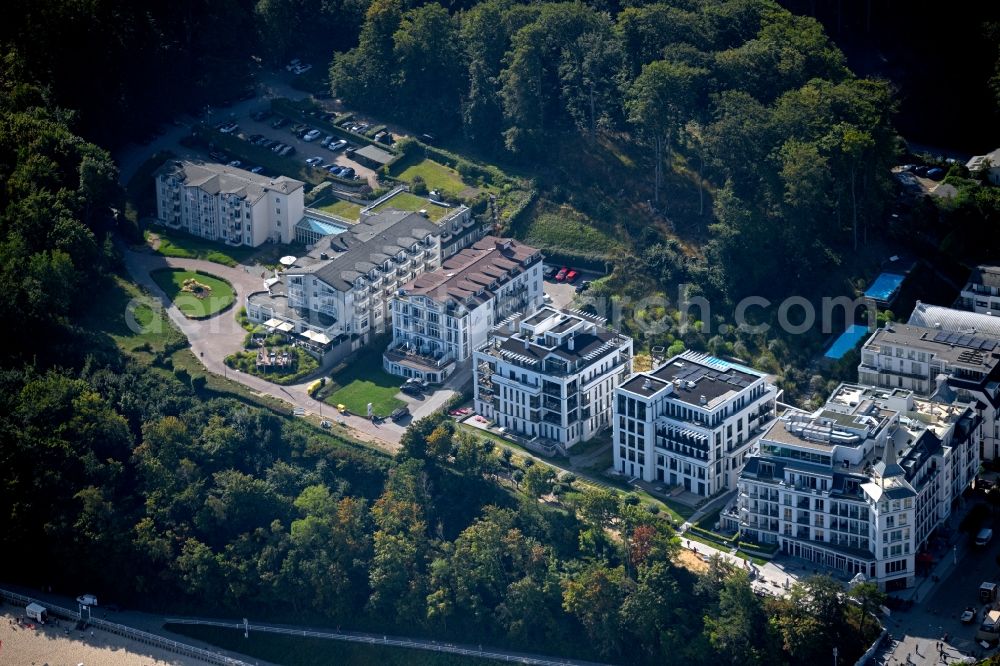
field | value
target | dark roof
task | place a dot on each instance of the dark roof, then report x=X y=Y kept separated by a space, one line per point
x=637 y=384
x=693 y=379
x=988 y=276
x=474 y=269
x=365 y=246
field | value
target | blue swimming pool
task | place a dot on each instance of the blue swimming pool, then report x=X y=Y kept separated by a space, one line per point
x=885 y=286
x=846 y=342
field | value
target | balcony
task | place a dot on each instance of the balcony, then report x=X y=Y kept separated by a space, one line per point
x=407 y=354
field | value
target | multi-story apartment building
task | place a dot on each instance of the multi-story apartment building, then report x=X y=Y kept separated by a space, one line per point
x=339 y=290
x=690 y=422
x=228 y=205
x=459 y=228
x=938 y=361
x=441 y=316
x=860 y=484
x=549 y=379
x=982 y=292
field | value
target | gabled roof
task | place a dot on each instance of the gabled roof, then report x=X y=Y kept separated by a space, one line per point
x=214 y=178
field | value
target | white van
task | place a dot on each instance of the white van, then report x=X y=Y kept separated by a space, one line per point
x=984 y=536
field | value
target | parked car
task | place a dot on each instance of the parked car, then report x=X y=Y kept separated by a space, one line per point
x=410 y=389
x=336 y=170
x=295 y=62
x=561 y=275
x=279 y=123
x=302 y=69
x=287 y=150
x=347 y=172
x=583 y=286
x=399 y=414
x=235 y=163
x=571 y=275
x=968 y=615
x=256 y=169
x=338 y=145
x=327 y=140
x=229 y=128
x=311 y=135
x=313 y=161
x=549 y=272
x=277 y=147
x=935 y=174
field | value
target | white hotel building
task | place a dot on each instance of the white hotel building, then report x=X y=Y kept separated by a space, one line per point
x=441 y=316
x=548 y=380
x=946 y=354
x=860 y=484
x=339 y=291
x=690 y=422
x=226 y=204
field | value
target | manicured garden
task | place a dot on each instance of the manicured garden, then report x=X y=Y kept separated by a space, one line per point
x=362 y=381
x=197 y=295
x=276 y=361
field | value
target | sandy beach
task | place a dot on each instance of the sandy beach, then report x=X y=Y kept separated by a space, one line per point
x=51 y=645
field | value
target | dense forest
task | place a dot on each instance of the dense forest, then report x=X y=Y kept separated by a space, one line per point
x=135 y=482
x=761 y=155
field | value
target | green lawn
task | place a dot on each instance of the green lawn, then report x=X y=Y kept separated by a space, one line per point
x=344 y=209
x=362 y=381
x=132 y=318
x=185 y=246
x=411 y=202
x=218 y=296
x=437 y=176
x=303 y=651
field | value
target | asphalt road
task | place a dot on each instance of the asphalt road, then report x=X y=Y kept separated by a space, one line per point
x=215 y=338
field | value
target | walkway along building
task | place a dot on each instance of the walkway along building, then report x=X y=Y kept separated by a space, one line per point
x=226 y=204
x=690 y=422
x=860 y=484
x=548 y=380
x=439 y=317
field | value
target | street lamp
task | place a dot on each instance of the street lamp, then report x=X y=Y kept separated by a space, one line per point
x=835 y=652
x=954 y=554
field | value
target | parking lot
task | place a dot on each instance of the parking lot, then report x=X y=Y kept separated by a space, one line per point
x=560 y=294
x=303 y=149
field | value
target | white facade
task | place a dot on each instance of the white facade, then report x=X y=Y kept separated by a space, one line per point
x=226 y=204
x=550 y=379
x=860 y=484
x=982 y=292
x=441 y=316
x=342 y=287
x=945 y=364
x=690 y=422
x=989 y=162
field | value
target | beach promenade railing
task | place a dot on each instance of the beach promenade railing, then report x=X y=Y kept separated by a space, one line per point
x=129 y=632
x=393 y=641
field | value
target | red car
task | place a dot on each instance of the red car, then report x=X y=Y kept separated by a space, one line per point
x=571 y=275
x=561 y=275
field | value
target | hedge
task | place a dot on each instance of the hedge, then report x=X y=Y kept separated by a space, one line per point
x=713 y=536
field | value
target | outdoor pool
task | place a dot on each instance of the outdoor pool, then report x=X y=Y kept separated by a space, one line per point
x=885 y=287
x=846 y=342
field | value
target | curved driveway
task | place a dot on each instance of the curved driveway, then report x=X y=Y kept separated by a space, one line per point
x=219 y=336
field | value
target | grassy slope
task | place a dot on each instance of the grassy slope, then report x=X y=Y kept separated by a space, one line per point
x=437 y=176
x=132 y=318
x=171 y=281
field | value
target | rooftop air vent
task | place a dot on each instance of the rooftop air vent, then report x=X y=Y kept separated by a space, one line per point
x=703 y=400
